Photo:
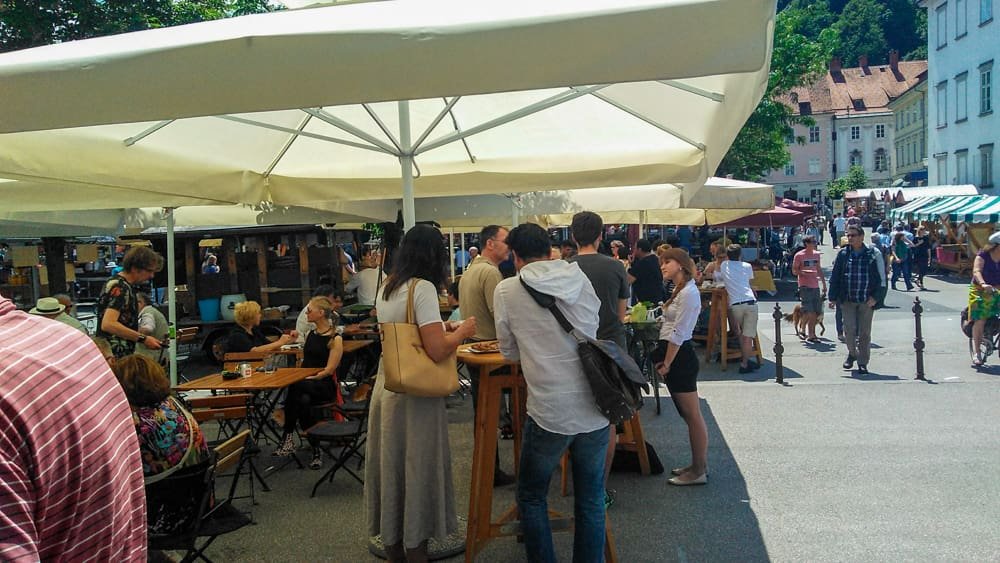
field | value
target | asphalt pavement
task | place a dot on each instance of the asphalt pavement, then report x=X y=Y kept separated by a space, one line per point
x=830 y=466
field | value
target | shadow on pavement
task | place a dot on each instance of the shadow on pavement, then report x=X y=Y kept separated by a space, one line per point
x=655 y=521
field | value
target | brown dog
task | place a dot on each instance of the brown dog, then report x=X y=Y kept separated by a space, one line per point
x=798 y=320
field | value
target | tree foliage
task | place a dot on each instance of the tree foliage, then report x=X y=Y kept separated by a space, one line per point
x=795 y=61
x=854 y=180
x=31 y=23
x=861 y=34
x=836 y=188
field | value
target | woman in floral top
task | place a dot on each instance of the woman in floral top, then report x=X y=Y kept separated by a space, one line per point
x=169 y=437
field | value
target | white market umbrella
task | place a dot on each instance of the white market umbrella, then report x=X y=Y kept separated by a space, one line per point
x=388 y=99
x=716 y=200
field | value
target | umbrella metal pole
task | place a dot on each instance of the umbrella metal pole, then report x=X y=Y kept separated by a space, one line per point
x=172 y=301
x=451 y=251
x=406 y=164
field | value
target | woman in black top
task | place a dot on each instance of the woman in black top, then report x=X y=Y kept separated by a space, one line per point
x=323 y=349
x=247 y=337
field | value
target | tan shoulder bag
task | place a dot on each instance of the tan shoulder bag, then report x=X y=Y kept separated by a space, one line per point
x=408 y=369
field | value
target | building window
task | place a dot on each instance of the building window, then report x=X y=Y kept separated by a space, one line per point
x=899 y=156
x=789 y=137
x=881 y=163
x=941 y=16
x=986 y=88
x=961 y=18
x=923 y=149
x=961 y=167
x=814 y=134
x=986 y=166
x=856 y=158
x=814 y=166
x=942 y=170
x=961 y=97
x=790 y=169
x=985 y=11
x=942 y=104
x=855 y=132
x=880 y=131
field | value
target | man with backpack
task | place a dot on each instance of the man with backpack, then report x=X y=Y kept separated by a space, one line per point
x=562 y=413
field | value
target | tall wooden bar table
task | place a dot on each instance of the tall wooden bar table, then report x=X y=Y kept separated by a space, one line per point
x=481 y=528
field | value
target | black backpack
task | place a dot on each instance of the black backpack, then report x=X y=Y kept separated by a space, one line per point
x=615 y=379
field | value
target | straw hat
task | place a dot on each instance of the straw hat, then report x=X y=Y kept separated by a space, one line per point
x=47 y=306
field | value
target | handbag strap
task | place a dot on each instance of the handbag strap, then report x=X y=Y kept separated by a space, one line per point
x=411 y=316
x=549 y=302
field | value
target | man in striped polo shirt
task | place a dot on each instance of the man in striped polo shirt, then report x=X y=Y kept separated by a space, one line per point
x=71 y=484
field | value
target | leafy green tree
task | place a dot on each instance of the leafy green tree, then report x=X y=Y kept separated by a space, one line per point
x=31 y=23
x=836 y=188
x=861 y=32
x=856 y=178
x=795 y=61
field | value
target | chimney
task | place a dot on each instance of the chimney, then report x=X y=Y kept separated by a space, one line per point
x=863 y=63
x=834 y=65
x=894 y=60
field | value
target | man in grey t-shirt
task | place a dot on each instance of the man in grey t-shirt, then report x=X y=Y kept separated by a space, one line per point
x=606 y=274
x=610 y=282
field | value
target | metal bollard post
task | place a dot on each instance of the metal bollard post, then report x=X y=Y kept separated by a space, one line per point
x=779 y=373
x=918 y=340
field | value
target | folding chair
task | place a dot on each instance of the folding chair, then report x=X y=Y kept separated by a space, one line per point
x=187 y=338
x=199 y=483
x=230 y=413
x=342 y=439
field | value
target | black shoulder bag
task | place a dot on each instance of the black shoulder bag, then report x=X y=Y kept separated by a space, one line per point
x=615 y=379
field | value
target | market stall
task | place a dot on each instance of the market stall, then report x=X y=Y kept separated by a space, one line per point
x=963 y=223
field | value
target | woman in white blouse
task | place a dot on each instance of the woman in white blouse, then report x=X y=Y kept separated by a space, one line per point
x=675 y=360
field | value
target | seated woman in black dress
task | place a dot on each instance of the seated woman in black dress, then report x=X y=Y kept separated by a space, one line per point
x=323 y=349
x=247 y=337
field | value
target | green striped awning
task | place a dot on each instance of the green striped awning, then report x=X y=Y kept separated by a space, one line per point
x=971 y=209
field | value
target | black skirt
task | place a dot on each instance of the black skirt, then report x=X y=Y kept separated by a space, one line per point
x=683 y=374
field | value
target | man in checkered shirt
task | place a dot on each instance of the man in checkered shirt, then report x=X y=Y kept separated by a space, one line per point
x=854 y=285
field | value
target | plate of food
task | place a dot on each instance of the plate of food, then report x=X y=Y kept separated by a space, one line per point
x=484 y=347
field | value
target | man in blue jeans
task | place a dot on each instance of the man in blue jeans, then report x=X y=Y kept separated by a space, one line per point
x=561 y=409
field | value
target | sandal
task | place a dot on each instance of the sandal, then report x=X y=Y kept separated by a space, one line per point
x=813 y=340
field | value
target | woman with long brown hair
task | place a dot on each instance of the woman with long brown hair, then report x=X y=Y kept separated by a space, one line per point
x=676 y=362
x=408 y=485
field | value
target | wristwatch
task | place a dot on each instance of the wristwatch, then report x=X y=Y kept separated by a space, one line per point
x=142 y=338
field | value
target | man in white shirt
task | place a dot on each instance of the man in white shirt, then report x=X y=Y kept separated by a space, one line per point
x=561 y=409
x=366 y=281
x=839 y=224
x=737 y=275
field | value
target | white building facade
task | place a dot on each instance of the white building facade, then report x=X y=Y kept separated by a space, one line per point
x=963 y=57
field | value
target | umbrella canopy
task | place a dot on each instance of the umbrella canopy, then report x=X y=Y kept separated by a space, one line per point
x=794 y=205
x=717 y=200
x=777 y=217
x=300 y=107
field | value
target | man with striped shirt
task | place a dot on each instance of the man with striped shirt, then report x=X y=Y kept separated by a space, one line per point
x=71 y=485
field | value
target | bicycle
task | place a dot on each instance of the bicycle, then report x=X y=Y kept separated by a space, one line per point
x=990 y=342
x=642 y=339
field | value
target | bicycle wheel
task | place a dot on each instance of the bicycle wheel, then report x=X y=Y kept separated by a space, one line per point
x=986 y=346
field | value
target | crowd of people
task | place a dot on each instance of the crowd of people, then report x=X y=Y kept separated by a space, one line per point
x=140 y=433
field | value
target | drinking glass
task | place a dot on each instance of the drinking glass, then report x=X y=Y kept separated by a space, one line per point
x=270 y=364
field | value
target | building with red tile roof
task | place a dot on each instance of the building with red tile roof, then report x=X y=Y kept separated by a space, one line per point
x=854 y=125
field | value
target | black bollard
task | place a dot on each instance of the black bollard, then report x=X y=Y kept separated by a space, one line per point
x=779 y=373
x=918 y=340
